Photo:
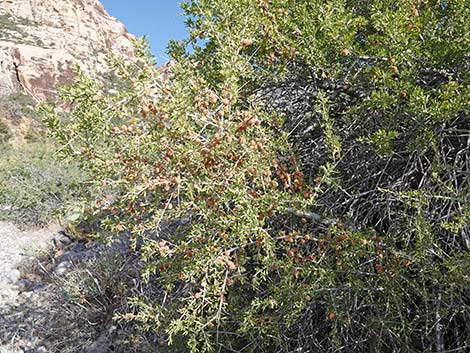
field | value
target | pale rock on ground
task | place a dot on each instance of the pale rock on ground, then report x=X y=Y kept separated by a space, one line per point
x=26 y=297
x=16 y=246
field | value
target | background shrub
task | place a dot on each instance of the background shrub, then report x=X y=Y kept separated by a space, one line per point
x=17 y=105
x=5 y=133
x=35 y=185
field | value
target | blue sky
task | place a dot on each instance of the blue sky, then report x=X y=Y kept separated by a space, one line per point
x=157 y=19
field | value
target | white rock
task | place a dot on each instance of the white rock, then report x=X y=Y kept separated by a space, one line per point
x=62 y=240
x=5 y=349
x=63 y=268
x=13 y=275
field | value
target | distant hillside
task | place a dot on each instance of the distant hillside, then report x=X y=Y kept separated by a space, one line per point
x=42 y=40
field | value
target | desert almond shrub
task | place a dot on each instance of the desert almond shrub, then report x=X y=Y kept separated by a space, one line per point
x=187 y=149
x=269 y=253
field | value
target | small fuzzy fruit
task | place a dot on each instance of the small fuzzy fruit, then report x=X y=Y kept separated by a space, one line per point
x=246 y=42
x=345 y=52
x=271 y=58
x=231 y=265
x=213 y=98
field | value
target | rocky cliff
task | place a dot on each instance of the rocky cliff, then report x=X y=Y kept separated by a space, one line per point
x=42 y=40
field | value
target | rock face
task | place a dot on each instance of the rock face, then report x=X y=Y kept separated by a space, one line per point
x=42 y=40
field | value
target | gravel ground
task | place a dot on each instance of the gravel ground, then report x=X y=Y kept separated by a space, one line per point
x=16 y=246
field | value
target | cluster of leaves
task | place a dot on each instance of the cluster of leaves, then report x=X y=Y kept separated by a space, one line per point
x=374 y=98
